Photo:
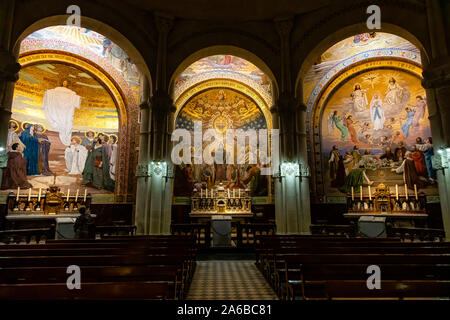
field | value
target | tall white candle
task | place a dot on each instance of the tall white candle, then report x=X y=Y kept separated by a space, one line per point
x=85 y=194
x=76 y=196
x=68 y=192
x=353 y=194
x=39 y=197
x=206 y=191
x=360 y=192
x=415 y=192
x=370 y=194
x=18 y=193
x=396 y=191
x=406 y=191
x=29 y=194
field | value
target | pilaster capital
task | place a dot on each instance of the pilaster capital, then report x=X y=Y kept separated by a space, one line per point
x=142 y=170
x=164 y=23
x=284 y=26
x=437 y=74
x=9 y=67
x=304 y=170
x=144 y=105
x=162 y=103
x=286 y=103
x=3 y=159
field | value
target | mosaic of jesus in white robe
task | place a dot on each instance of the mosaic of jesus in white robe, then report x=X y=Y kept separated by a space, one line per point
x=59 y=107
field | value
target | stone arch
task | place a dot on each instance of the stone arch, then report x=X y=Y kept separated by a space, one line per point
x=343 y=34
x=91 y=24
x=224 y=49
x=124 y=110
x=349 y=20
x=130 y=109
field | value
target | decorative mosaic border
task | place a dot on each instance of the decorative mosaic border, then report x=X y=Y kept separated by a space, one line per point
x=28 y=46
x=377 y=53
x=217 y=74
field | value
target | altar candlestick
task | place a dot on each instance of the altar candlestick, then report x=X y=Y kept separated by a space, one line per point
x=415 y=192
x=68 y=192
x=39 y=197
x=396 y=191
x=406 y=191
x=85 y=194
x=76 y=196
x=29 y=194
x=370 y=194
x=353 y=195
x=18 y=192
x=360 y=192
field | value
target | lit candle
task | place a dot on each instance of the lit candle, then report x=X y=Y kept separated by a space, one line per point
x=353 y=195
x=76 y=196
x=370 y=194
x=39 y=197
x=406 y=191
x=68 y=192
x=29 y=194
x=396 y=191
x=85 y=194
x=415 y=192
x=360 y=192
x=18 y=192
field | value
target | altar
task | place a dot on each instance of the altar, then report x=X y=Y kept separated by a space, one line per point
x=30 y=210
x=399 y=210
x=220 y=201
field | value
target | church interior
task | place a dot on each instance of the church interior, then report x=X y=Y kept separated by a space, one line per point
x=198 y=150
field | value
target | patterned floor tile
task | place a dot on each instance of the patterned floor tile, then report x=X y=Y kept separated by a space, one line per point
x=229 y=280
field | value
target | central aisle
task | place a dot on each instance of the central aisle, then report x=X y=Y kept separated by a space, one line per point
x=229 y=280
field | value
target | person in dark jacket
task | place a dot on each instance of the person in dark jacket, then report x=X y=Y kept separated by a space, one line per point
x=84 y=226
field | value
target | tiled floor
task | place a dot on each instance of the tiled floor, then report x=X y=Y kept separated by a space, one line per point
x=229 y=280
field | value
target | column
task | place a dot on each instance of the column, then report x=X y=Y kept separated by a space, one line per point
x=437 y=84
x=292 y=204
x=436 y=81
x=155 y=170
x=142 y=167
x=9 y=68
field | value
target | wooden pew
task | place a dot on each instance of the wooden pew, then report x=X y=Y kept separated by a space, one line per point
x=103 y=231
x=308 y=281
x=390 y=289
x=141 y=290
x=148 y=273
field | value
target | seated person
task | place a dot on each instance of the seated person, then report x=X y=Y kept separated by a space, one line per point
x=84 y=226
x=15 y=173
